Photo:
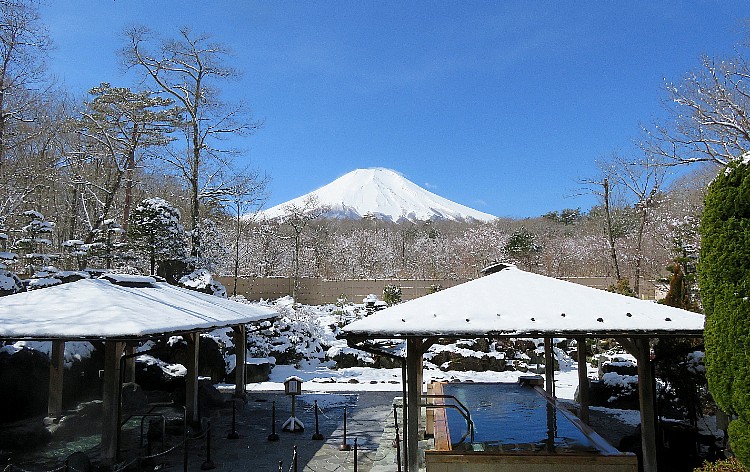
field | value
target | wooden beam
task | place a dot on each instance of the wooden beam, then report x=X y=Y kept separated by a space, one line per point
x=549 y=368
x=646 y=394
x=583 y=382
x=111 y=401
x=414 y=391
x=56 y=372
x=191 y=379
x=240 y=351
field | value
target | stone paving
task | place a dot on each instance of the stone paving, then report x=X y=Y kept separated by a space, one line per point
x=369 y=420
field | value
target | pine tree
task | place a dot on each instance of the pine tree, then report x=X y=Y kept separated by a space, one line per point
x=156 y=232
x=34 y=240
x=724 y=277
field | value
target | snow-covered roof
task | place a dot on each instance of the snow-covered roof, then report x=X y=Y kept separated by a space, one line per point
x=98 y=308
x=512 y=302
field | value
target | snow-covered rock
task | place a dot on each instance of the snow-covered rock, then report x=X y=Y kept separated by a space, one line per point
x=202 y=281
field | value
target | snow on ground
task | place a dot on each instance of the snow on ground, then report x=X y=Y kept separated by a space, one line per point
x=319 y=378
x=629 y=417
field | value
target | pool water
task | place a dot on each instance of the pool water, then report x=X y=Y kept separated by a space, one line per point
x=512 y=418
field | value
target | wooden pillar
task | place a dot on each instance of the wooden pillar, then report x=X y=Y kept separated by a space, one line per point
x=111 y=401
x=583 y=382
x=56 y=371
x=549 y=368
x=191 y=379
x=414 y=390
x=129 y=374
x=240 y=351
x=646 y=383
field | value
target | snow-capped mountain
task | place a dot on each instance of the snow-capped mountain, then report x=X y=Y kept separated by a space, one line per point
x=383 y=193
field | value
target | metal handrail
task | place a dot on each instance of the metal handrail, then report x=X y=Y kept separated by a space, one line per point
x=460 y=407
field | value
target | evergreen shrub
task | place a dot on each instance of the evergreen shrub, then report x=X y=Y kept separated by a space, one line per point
x=724 y=277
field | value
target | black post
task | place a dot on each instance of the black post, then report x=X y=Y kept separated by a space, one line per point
x=184 y=441
x=273 y=436
x=281 y=466
x=398 y=440
x=294 y=459
x=344 y=446
x=208 y=464
x=317 y=436
x=355 y=454
x=233 y=434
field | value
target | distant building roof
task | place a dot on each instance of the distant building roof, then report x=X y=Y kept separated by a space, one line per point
x=512 y=302
x=98 y=308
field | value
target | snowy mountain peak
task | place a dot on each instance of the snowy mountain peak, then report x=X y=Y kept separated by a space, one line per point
x=383 y=193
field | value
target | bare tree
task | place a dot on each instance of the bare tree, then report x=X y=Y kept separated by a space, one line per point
x=298 y=218
x=709 y=115
x=643 y=179
x=187 y=70
x=23 y=46
x=244 y=197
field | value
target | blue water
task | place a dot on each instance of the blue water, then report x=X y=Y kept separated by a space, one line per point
x=511 y=417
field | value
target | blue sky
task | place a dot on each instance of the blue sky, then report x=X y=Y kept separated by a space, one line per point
x=502 y=106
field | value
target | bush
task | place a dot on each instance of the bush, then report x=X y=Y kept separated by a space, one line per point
x=392 y=294
x=728 y=465
x=724 y=276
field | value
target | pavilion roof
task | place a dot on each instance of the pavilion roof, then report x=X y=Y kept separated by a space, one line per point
x=516 y=303
x=119 y=309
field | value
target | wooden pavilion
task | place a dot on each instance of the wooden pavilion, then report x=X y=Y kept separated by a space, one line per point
x=122 y=310
x=511 y=303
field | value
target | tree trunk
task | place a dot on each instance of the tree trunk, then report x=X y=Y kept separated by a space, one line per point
x=610 y=236
x=129 y=176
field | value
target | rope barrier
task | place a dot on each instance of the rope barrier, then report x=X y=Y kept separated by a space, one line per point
x=11 y=468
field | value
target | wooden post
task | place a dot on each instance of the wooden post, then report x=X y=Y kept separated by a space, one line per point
x=583 y=382
x=191 y=379
x=129 y=374
x=56 y=370
x=111 y=401
x=414 y=390
x=240 y=351
x=646 y=396
x=549 y=368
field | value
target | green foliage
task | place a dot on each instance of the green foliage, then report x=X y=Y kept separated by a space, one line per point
x=567 y=217
x=156 y=232
x=623 y=288
x=522 y=246
x=392 y=294
x=434 y=288
x=728 y=465
x=724 y=276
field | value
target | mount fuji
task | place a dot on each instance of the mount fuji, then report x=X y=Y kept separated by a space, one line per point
x=384 y=194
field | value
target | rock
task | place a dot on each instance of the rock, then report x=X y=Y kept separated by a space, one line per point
x=208 y=395
x=79 y=462
x=24 y=434
x=87 y=417
x=133 y=398
x=254 y=372
x=151 y=376
x=24 y=383
x=344 y=360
